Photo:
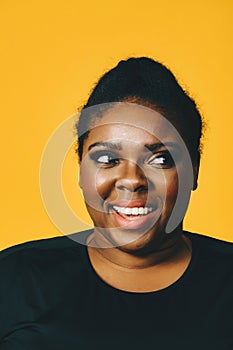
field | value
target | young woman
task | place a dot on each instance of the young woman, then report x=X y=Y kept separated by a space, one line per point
x=137 y=280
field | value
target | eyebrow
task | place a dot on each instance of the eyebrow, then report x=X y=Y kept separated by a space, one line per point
x=154 y=146
x=111 y=145
x=117 y=146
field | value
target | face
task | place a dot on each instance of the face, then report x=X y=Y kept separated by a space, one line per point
x=132 y=166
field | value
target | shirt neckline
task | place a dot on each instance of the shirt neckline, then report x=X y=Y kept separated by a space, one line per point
x=107 y=287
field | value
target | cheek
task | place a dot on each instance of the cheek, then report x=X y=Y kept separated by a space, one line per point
x=95 y=183
x=164 y=183
x=104 y=184
x=86 y=179
x=172 y=186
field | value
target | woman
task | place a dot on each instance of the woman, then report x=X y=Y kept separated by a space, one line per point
x=137 y=280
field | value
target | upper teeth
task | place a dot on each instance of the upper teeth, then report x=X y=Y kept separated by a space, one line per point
x=133 y=211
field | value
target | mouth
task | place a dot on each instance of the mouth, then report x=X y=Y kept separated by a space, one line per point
x=134 y=211
x=134 y=215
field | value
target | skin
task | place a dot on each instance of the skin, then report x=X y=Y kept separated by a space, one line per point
x=126 y=160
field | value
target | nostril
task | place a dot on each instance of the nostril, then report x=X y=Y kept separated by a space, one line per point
x=132 y=178
x=132 y=188
x=121 y=187
x=142 y=188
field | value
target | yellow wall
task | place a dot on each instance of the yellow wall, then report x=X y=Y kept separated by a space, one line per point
x=51 y=54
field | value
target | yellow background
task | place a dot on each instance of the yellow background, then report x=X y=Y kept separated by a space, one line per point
x=52 y=52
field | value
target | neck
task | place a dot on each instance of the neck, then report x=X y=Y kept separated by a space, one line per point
x=170 y=248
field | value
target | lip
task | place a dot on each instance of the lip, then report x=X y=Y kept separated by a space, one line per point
x=131 y=203
x=136 y=222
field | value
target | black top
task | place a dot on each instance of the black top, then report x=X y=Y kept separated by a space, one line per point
x=51 y=298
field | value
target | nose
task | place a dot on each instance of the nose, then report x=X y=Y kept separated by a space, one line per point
x=132 y=178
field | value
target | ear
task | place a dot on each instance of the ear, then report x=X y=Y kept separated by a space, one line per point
x=79 y=177
x=196 y=167
x=80 y=185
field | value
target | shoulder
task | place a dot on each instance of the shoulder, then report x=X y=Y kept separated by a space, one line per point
x=36 y=275
x=41 y=263
x=211 y=245
x=211 y=268
x=44 y=250
x=213 y=254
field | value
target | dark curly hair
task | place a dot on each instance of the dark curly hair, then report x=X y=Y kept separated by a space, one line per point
x=147 y=82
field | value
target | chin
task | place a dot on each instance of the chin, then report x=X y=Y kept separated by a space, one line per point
x=134 y=242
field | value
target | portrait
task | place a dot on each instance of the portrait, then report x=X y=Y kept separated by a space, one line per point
x=115 y=197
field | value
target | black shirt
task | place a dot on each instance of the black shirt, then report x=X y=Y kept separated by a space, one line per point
x=51 y=298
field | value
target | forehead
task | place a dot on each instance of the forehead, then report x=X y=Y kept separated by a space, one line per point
x=132 y=122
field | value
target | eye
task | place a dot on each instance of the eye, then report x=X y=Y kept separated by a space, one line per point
x=105 y=158
x=161 y=160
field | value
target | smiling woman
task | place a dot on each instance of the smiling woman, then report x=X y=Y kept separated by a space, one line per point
x=137 y=279
x=125 y=165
